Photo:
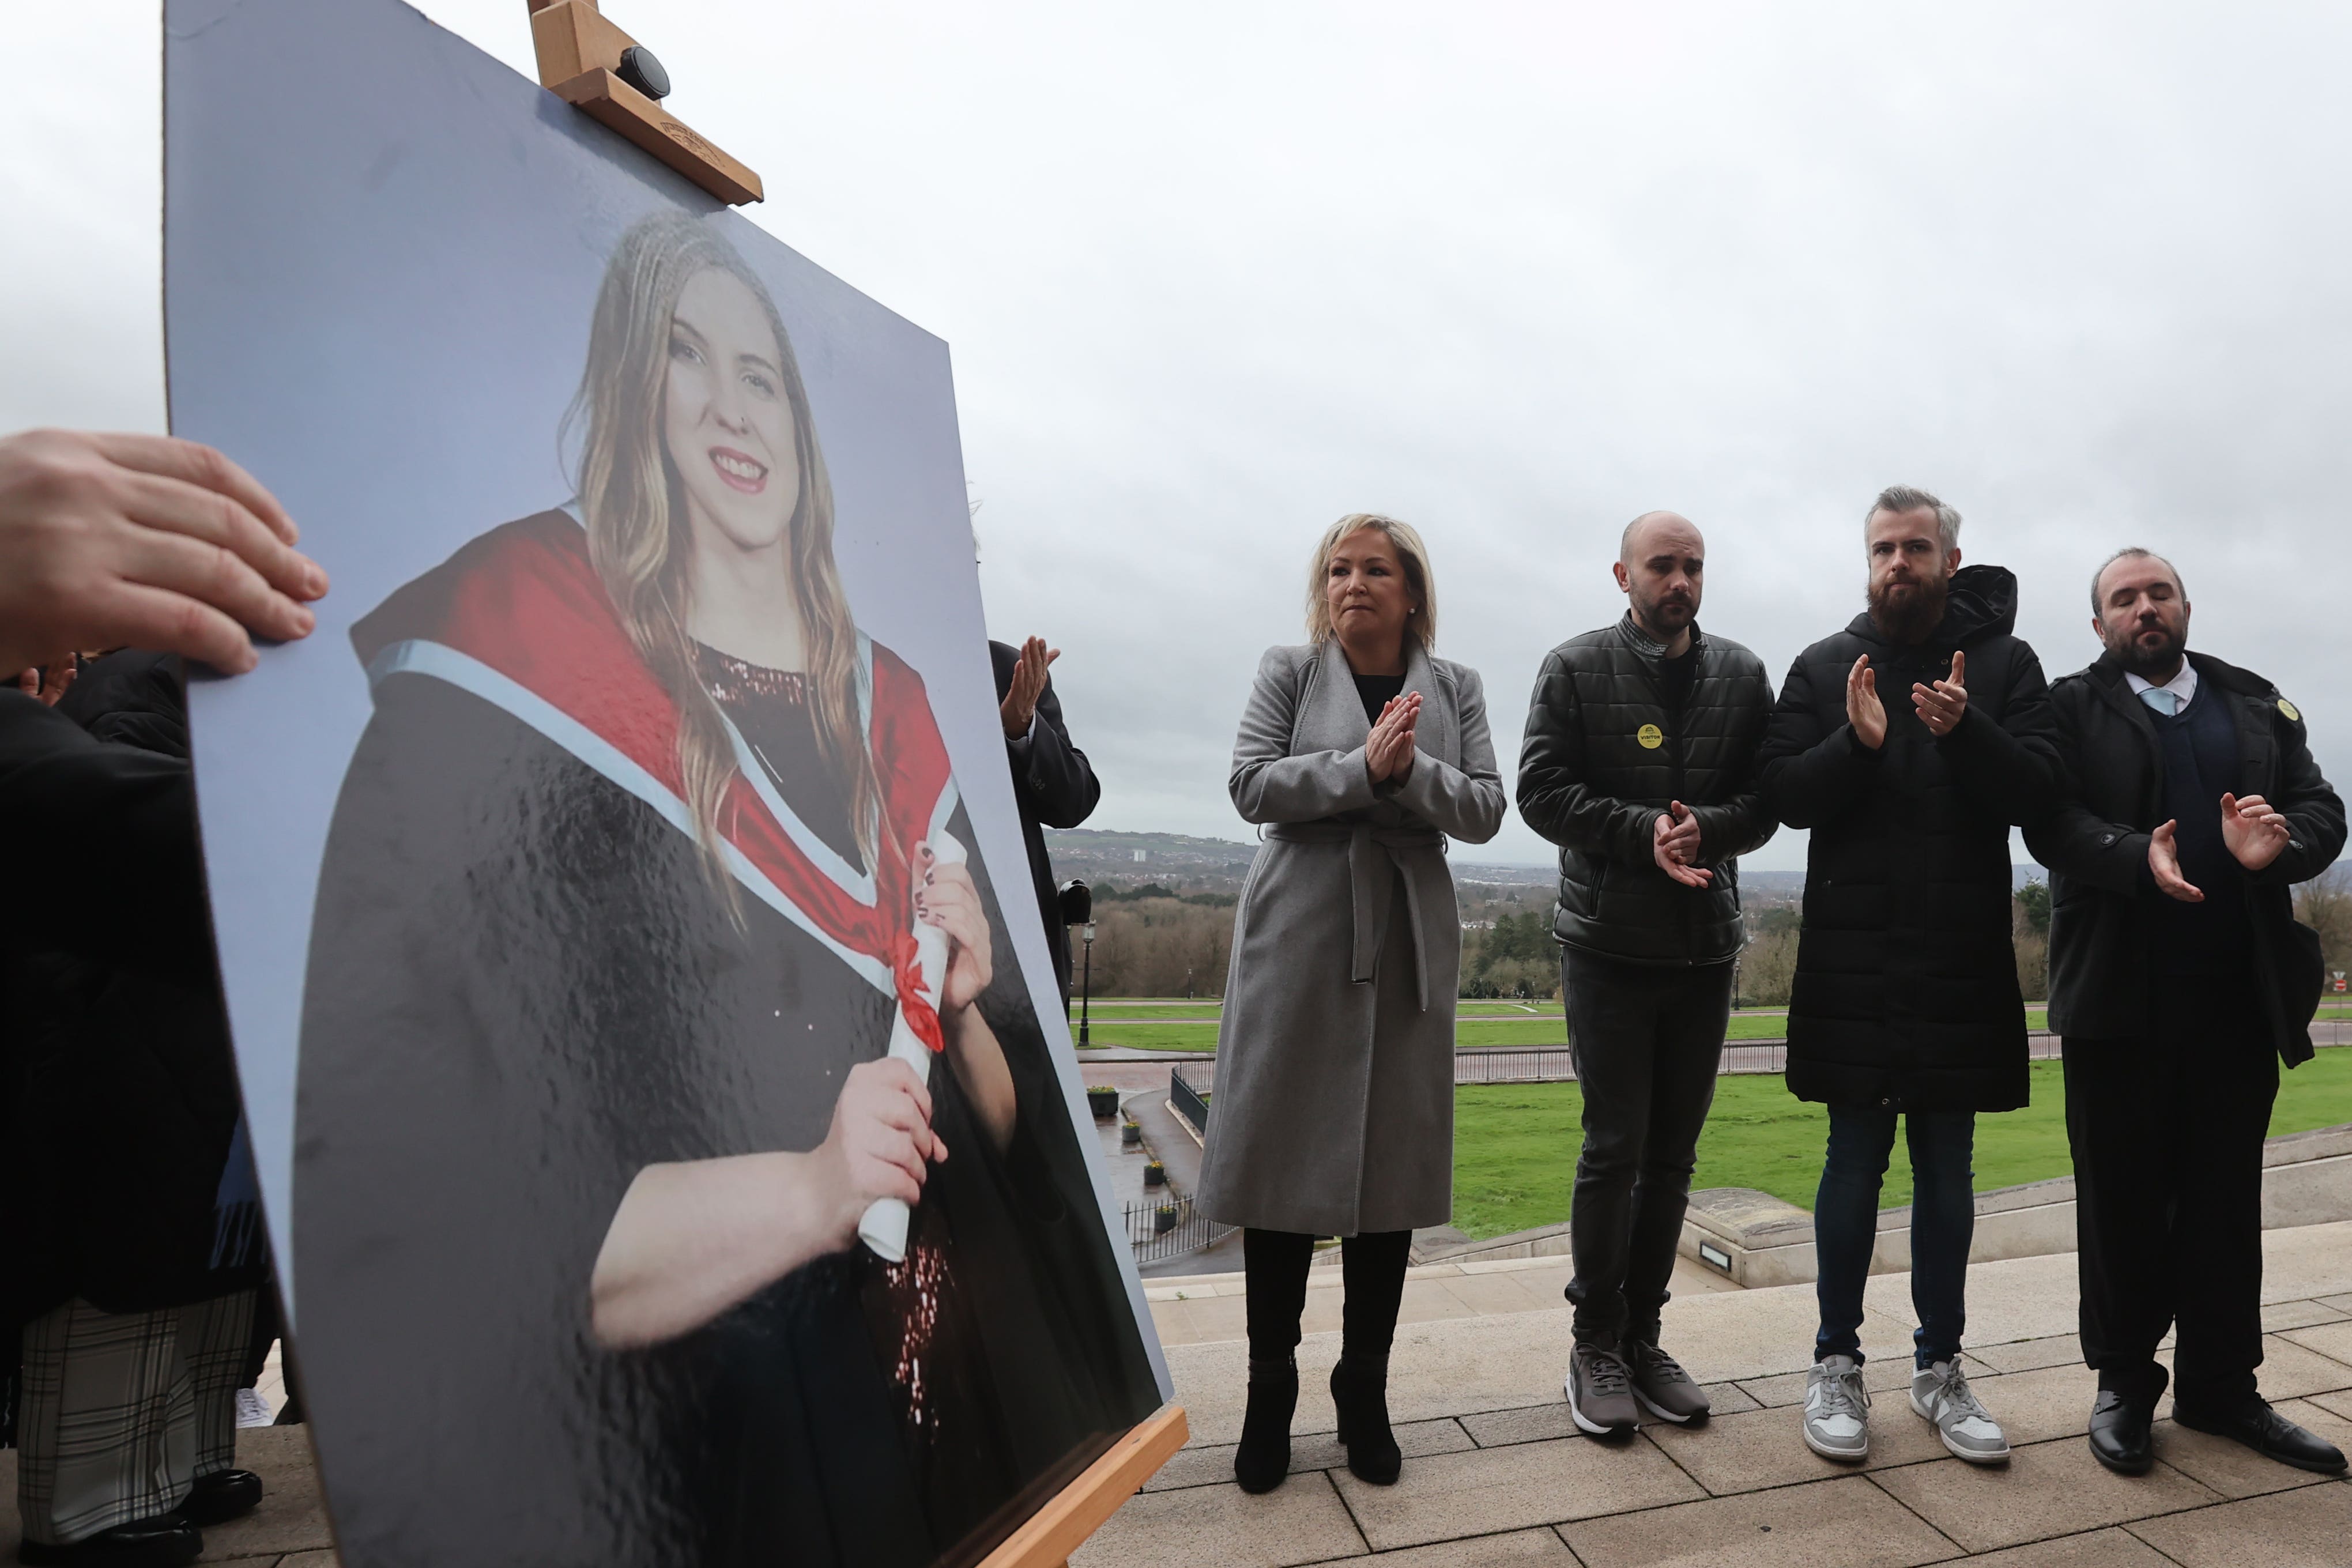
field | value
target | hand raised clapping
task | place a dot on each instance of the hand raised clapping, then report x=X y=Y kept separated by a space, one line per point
x=1388 y=752
x=1863 y=708
x=2254 y=831
x=1943 y=705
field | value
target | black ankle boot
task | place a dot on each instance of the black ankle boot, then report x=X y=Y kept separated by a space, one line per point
x=1359 y=1390
x=1262 y=1461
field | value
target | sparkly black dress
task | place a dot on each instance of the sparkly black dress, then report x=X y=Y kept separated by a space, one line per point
x=523 y=989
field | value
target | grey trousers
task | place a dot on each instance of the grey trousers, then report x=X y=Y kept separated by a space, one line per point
x=123 y=1411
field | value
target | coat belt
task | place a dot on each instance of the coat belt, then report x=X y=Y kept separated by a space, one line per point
x=1372 y=852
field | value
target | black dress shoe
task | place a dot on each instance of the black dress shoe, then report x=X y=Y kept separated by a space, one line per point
x=2119 y=1435
x=1360 y=1392
x=220 y=1497
x=2269 y=1433
x=169 y=1541
x=1262 y=1461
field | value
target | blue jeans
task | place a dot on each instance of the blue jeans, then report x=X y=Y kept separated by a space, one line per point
x=1943 y=1220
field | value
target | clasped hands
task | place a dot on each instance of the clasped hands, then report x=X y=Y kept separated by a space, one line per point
x=1674 y=845
x=1941 y=706
x=2254 y=831
x=1388 y=751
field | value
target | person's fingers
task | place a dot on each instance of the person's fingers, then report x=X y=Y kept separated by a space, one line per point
x=161 y=502
x=194 y=463
x=1052 y=654
x=899 y=1075
x=1959 y=667
x=135 y=614
x=216 y=576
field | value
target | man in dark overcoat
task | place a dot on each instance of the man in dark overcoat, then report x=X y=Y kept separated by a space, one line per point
x=1053 y=783
x=2178 y=980
x=1640 y=763
x=1909 y=743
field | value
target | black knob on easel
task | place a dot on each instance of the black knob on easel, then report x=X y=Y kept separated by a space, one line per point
x=641 y=70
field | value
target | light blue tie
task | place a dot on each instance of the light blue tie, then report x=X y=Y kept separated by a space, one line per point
x=2165 y=702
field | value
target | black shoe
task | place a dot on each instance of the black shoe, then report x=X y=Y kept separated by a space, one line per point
x=168 y=1542
x=1360 y=1391
x=1262 y=1461
x=2119 y=1435
x=2269 y=1433
x=220 y=1497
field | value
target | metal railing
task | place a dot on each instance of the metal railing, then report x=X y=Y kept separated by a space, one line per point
x=1189 y=1099
x=1190 y=1085
x=1170 y=1229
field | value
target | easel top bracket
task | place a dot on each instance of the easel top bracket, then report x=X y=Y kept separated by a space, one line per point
x=579 y=54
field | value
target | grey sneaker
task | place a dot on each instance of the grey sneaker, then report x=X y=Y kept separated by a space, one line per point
x=1600 y=1391
x=1837 y=1409
x=1941 y=1396
x=1664 y=1389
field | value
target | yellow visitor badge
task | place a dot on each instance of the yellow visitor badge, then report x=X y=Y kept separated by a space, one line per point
x=2292 y=716
x=1652 y=737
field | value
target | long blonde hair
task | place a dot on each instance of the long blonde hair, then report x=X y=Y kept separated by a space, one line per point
x=635 y=505
x=1412 y=554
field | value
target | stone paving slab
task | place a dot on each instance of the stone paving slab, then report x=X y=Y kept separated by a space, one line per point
x=1518 y=1549
x=1842 y=1523
x=1302 y=1521
x=2111 y=1548
x=1766 y=1448
x=1509 y=1488
x=2308 y=1528
x=2045 y=1489
x=1212 y=1464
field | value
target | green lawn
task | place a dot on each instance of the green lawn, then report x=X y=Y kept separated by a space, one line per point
x=1474 y=1029
x=1514 y=1146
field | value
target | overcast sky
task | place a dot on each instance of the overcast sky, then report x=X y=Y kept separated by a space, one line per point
x=1214 y=275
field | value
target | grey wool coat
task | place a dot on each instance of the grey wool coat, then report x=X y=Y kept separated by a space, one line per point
x=1333 y=1112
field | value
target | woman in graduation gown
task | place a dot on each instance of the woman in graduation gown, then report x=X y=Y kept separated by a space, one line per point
x=617 y=919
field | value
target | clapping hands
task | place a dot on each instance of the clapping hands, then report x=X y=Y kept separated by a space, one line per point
x=1863 y=711
x=2253 y=830
x=1675 y=846
x=1943 y=705
x=1388 y=752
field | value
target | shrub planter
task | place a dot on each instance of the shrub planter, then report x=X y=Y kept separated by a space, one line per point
x=1164 y=1219
x=1102 y=1101
x=1155 y=1174
x=1130 y=1136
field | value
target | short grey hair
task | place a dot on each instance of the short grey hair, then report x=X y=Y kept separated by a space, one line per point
x=2133 y=552
x=1911 y=498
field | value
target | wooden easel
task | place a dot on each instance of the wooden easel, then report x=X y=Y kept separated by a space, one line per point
x=578 y=62
x=579 y=58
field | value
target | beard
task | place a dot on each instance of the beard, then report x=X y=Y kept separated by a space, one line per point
x=1909 y=618
x=1664 y=620
x=2148 y=659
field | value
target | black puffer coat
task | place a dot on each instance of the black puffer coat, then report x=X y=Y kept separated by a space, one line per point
x=1906 y=993
x=1602 y=759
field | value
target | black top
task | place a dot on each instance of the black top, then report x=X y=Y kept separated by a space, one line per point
x=1375 y=692
x=1675 y=678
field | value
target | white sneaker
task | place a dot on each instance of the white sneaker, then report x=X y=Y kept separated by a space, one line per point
x=1837 y=1410
x=253 y=1408
x=1941 y=1396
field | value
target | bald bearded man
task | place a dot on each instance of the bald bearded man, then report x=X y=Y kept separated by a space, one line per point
x=1640 y=763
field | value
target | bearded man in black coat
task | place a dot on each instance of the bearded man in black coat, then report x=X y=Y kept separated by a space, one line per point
x=1053 y=783
x=1907 y=1003
x=2179 y=978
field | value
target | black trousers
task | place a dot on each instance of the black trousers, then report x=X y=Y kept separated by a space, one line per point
x=1372 y=1278
x=2167 y=1134
x=1646 y=1040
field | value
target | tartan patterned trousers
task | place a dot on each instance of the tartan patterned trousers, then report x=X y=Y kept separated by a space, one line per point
x=123 y=1411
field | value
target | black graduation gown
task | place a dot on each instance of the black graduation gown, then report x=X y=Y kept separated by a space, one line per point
x=523 y=988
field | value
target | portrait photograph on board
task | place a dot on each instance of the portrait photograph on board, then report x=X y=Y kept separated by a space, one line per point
x=670 y=1141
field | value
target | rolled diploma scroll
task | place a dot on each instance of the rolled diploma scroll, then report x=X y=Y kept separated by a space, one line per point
x=884 y=1227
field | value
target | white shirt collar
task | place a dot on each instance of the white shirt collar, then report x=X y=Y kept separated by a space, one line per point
x=2183 y=685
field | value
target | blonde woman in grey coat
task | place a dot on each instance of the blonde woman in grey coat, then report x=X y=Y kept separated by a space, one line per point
x=1359 y=754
